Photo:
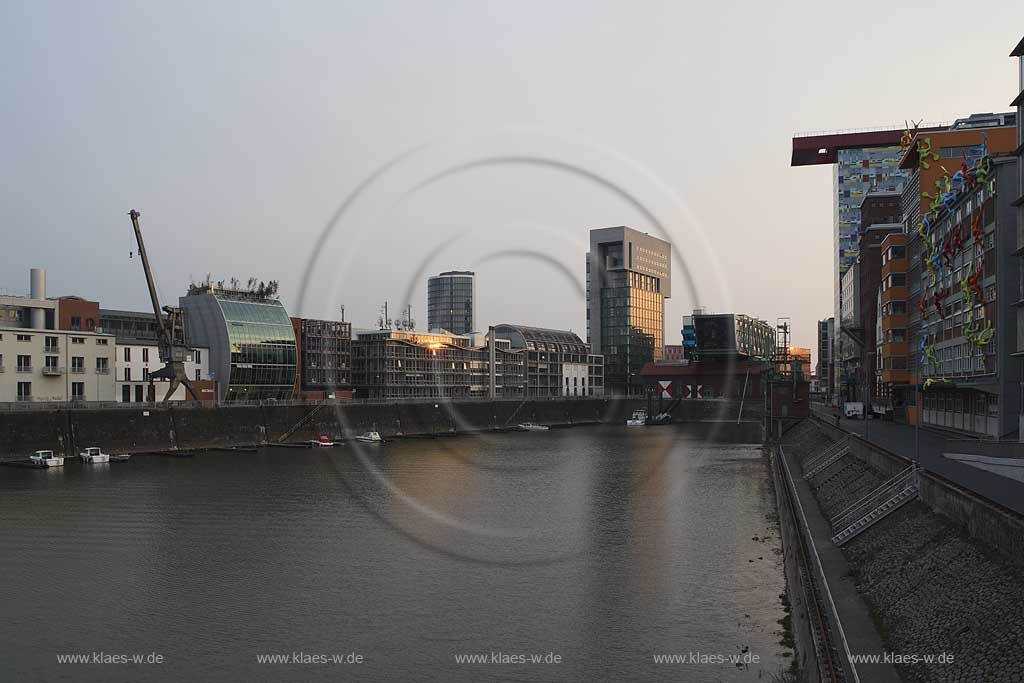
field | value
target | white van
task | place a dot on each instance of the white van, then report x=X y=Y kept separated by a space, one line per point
x=854 y=410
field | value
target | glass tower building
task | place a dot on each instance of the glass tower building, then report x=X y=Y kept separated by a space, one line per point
x=251 y=342
x=451 y=302
x=628 y=280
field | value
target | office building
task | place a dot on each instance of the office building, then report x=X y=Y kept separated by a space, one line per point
x=451 y=302
x=1018 y=102
x=405 y=364
x=824 y=366
x=727 y=335
x=964 y=286
x=892 y=378
x=557 y=362
x=251 y=342
x=628 y=280
x=324 y=358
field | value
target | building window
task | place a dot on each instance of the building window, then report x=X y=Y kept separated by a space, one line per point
x=199 y=357
x=101 y=342
x=127 y=374
x=76 y=322
x=50 y=345
x=78 y=340
x=24 y=391
x=145 y=374
x=145 y=355
x=197 y=374
x=78 y=391
x=138 y=393
x=24 y=363
x=25 y=337
x=78 y=364
x=102 y=366
x=127 y=354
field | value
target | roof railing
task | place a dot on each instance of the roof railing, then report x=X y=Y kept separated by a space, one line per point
x=871 y=129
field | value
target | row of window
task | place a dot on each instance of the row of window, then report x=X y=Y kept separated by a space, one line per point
x=51 y=362
x=54 y=342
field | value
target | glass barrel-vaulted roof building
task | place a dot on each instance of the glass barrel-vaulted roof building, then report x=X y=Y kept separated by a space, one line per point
x=251 y=342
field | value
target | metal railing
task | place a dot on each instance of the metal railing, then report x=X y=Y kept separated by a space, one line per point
x=103 y=371
x=870 y=129
x=24 y=368
x=884 y=492
x=77 y=370
x=52 y=371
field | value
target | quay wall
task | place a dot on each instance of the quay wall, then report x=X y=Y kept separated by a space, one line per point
x=157 y=427
x=943 y=574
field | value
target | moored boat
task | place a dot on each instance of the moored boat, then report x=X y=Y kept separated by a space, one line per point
x=532 y=427
x=323 y=441
x=46 y=459
x=93 y=455
x=369 y=437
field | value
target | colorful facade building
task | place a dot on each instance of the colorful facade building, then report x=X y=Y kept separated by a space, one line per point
x=964 y=278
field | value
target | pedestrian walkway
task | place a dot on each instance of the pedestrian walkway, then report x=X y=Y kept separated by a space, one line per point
x=899 y=439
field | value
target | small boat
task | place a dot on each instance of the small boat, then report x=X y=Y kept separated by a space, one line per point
x=370 y=437
x=46 y=459
x=93 y=455
x=322 y=442
x=120 y=457
x=639 y=418
x=660 y=419
x=532 y=427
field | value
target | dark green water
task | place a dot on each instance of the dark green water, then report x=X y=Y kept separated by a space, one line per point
x=602 y=545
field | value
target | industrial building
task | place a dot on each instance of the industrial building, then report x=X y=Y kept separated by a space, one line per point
x=251 y=342
x=628 y=280
x=558 y=362
x=451 y=302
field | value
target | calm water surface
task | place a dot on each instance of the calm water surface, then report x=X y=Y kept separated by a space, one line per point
x=602 y=545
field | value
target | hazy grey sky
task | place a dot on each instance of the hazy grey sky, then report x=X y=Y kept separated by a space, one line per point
x=238 y=129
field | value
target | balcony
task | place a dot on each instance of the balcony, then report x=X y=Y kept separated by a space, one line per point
x=24 y=398
x=77 y=370
x=102 y=371
x=52 y=371
x=49 y=348
x=24 y=368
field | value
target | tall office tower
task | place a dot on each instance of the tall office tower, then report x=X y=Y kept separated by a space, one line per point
x=628 y=280
x=451 y=302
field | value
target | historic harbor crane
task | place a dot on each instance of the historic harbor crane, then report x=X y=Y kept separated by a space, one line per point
x=172 y=342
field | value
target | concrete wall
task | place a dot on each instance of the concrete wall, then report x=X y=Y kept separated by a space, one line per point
x=159 y=428
x=981 y=519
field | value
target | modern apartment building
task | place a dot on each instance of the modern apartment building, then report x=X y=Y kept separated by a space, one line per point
x=451 y=302
x=251 y=342
x=558 y=362
x=628 y=280
x=43 y=365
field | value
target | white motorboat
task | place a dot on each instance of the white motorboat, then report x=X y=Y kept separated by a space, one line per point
x=120 y=457
x=370 y=437
x=639 y=418
x=46 y=459
x=323 y=442
x=94 y=455
x=532 y=427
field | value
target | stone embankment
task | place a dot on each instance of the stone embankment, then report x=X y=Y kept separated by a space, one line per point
x=933 y=589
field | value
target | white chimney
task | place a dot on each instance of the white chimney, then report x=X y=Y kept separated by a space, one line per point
x=37 y=285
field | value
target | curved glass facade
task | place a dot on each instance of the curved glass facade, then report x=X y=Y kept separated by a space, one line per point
x=262 y=344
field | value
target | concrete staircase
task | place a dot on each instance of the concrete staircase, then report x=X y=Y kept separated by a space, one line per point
x=831 y=454
x=884 y=500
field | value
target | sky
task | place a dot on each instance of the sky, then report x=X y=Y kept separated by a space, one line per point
x=350 y=149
